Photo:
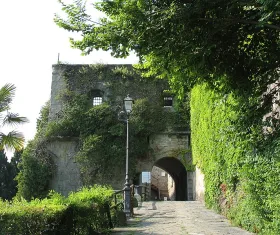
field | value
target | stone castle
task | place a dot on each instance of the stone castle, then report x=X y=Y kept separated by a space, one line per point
x=186 y=184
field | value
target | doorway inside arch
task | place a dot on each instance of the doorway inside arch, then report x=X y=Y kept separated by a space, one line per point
x=178 y=173
x=162 y=185
x=167 y=180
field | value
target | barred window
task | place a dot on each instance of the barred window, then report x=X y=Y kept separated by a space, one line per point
x=167 y=101
x=97 y=101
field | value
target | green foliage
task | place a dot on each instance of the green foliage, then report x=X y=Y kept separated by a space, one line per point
x=186 y=42
x=30 y=218
x=232 y=46
x=260 y=174
x=83 y=212
x=89 y=207
x=240 y=162
x=43 y=117
x=36 y=166
x=216 y=150
x=36 y=170
x=98 y=129
x=4 y=176
x=13 y=139
x=97 y=126
x=8 y=172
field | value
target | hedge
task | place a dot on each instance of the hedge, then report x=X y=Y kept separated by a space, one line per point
x=82 y=212
x=240 y=161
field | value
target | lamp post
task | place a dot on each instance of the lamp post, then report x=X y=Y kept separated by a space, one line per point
x=128 y=108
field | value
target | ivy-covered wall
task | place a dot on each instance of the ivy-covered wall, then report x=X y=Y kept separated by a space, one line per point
x=113 y=81
x=85 y=144
x=240 y=162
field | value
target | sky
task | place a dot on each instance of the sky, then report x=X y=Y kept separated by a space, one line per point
x=29 y=45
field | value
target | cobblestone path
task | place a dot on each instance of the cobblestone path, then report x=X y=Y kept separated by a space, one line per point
x=176 y=218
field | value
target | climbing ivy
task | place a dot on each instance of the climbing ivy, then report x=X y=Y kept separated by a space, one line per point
x=102 y=135
x=36 y=166
x=240 y=161
x=100 y=131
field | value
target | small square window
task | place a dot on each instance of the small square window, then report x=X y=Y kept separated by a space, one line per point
x=97 y=101
x=168 y=101
x=146 y=177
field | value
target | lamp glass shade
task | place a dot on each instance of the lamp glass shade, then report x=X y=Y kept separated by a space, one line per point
x=128 y=104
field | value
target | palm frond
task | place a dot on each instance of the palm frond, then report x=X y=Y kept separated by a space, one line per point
x=7 y=92
x=13 y=119
x=13 y=140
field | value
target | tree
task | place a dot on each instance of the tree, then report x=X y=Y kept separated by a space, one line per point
x=4 y=191
x=13 y=139
x=8 y=172
x=13 y=172
x=231 y=44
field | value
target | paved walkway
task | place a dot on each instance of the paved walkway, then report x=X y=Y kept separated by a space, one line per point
x=176 y=218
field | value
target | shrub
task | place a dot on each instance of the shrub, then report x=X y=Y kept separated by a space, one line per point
x=82 y=212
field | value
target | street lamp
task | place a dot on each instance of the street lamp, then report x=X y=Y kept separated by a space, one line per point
x=128 y=109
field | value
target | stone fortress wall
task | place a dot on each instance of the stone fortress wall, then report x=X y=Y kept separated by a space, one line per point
x=68 y=178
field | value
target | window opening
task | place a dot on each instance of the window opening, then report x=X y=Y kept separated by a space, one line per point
x=97 y=101
x=146 y=177
x=167 y=101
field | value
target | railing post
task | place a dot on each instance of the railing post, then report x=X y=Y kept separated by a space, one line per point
x=108 y=212
x=115 y=198
x=131 y=198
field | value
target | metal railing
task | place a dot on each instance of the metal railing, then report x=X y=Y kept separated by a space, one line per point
x=117 y=205
x=142 y=190
x=117 y=200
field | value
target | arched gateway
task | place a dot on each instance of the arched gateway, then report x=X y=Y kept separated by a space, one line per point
x=172 y=155
x=169 y=150
x=179 y=175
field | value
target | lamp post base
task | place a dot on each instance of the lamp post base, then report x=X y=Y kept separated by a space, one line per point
x=127 y=200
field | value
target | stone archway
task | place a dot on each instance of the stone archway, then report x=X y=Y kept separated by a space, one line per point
x=179 y=174
x=169 y=151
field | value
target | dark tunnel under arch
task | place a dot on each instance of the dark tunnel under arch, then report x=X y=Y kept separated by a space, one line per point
x=178 y=172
